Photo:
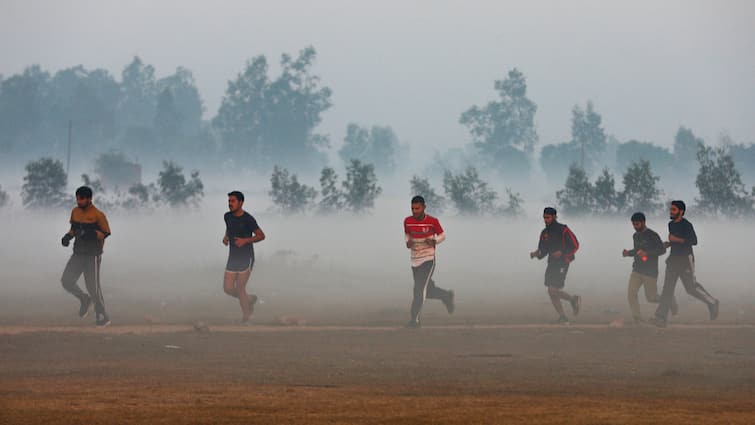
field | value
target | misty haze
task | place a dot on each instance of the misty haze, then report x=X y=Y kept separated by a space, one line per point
x=329 y=118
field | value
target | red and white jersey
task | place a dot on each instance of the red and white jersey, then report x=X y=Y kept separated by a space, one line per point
x=419 y=232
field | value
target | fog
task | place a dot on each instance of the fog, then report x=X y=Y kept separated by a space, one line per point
x=168 y=265
x=412 y=67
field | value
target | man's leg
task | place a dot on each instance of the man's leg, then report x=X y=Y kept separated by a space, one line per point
x=229 y=283
x=635 y=282
x=92 y=280
x=694 y=288
x=244 y=298
x=667 y=294
x=421 y=275
x=555 y=280
x=72 y=272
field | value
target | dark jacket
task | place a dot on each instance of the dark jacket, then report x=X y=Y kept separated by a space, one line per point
x=651 y=243
x=557 y=237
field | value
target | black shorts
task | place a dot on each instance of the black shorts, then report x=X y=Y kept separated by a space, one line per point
x=555 y=274
x=239 y=263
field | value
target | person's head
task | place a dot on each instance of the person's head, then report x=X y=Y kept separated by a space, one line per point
x=549 y=215
x=84 y=196
x=235 y=201
x=418 y=206
x=677 y=210
x=638 y=221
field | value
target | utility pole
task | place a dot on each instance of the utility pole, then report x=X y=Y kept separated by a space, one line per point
x=68 y=159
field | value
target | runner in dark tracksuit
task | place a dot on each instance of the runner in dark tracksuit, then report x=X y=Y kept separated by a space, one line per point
x=681 y=265
x=559 y=244
x=89 y=227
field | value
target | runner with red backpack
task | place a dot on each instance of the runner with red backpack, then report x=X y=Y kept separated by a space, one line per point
x=559 y=244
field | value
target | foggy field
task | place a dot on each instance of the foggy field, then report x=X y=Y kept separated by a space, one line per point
x=330 y=116
x=350 y=270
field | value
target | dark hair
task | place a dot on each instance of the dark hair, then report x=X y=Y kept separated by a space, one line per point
x=418 y=200
x=84 y=192
x=238 y=195
x=680 y=205
x=638 y=216
x=549 y=211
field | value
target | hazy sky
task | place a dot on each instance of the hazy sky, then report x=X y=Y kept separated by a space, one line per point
x=648 y=66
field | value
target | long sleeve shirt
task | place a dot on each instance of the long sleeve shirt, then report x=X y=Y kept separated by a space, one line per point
x=649 y=242
x=683 y=229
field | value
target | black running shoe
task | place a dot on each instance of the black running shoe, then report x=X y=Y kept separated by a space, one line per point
x=576 y=303
x=86 y=302
x=102 y=320
x=449 y=302
x=713 y=309
x=658 y=322
x=562 y=321
x=413 y=324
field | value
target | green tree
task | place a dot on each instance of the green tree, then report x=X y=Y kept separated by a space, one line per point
x=556 y=159
x=577 y=195
x=421 y=186
x=116 y=171
x=634 y=151
x=468 y=192
x=44 y=185
x=332 y=197
x=138 y=98
x=686 y=145
x=288 y=194
x=720 y=184
x=360 y=189
x=273 y=120
x=24 y=102
x=175 y=190
x=588 y=134
x=606 y=199
x=168 y=122
x=513 y=207
x=640 y=188
x=187 y=102
x=378 y=145
x=504 y=130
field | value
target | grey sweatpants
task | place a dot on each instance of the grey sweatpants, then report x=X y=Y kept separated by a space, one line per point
x=89 y=266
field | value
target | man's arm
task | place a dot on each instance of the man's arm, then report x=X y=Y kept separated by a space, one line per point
x=258 y=236
x=104 y=227
x=656 y=247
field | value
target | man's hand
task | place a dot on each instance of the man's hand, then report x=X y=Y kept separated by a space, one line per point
x=556 y=254
x=625 y=253
x=534 y=254
x=100 y=235
x=66 y=239
x=226 y=240
x=641 y=253
x=431 y=241
x=239 y=242
x=675 y=239
x=666 y=244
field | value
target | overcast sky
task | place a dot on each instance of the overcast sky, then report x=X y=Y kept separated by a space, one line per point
x=649 y=66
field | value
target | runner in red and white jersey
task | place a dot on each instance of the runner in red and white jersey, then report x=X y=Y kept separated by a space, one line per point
x=422 y=233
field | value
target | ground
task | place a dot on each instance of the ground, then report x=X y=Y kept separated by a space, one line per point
x=166 y=372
